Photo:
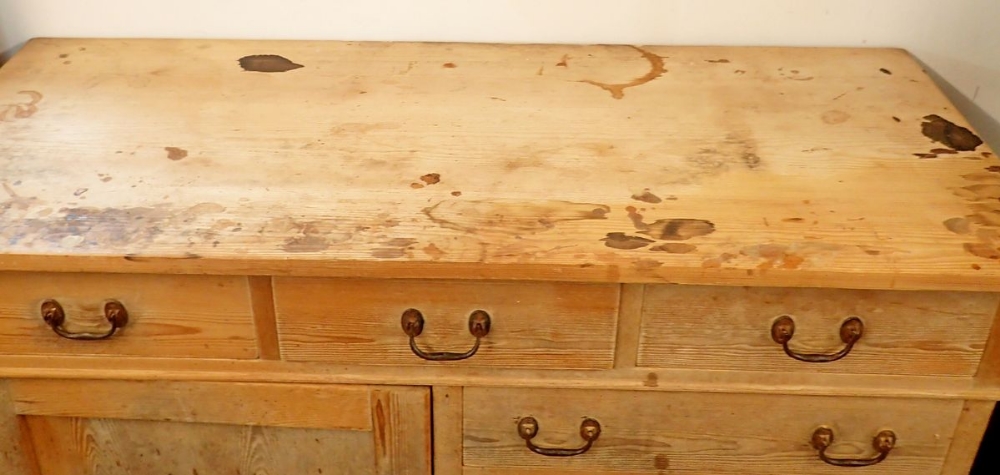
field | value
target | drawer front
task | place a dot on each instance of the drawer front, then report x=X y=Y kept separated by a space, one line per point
x=652 y=432
x=532 y=325
x=727 y=328
x=168 y=316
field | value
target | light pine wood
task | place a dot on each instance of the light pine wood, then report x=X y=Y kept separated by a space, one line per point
x=74 y=446
x=654 y=380
x=401 y=419
x=305 y=406
x=472 y=161
x=169 y=316
x=16 y=453
x=968 y=435
x=702 y=433
x=447 y=409
x=907 y=333
x=109 y=427
x=262 y=297
x=629 y=322
x=989 y=367
x=534 y=325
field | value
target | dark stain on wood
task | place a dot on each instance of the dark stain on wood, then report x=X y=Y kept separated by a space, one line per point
x=885 y=71
x=174 y=153
x=661 y=462
x=617 y=91
x=976 y=267
x=416 y=186
x=510 y=217
x=625 y=242
x=674 y=248
x=925 y=155
x=647 y=197
x=950 y=134
x=679 y=229
x=431 y=178
x=793 y=220
x=449 y=65
x=717 y=61
x=433 y=251
x=456 y=193
x=897 y=119
x=564 y=62
x=21 y=110
x=380 y=426
x=646 y=264
x=982 y=249
x=394 y=248
x=652 y=380
x=267 y=63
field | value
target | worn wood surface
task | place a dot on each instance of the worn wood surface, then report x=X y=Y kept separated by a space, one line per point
x=169 y=316
x=968 y=436
x=131 y=427
x=914 y=333
x=16 y=453
x=702 y=433
x=649 y=379
x=447 y=411
x=533 y=325
x=762 y=166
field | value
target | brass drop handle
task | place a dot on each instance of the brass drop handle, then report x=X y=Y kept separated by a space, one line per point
x=527 y=428
x=850 y=332
x=413 y=325
x=883 y=443
x=55 y=316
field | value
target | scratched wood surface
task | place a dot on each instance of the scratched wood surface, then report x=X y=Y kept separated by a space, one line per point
x=699 y=433
x=758 y=166
x=107 y=427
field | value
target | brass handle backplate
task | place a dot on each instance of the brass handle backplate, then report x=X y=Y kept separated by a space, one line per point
x=527 y=428
x=54 y=315
x=850 y=332
x=413 y=325
x=883 y=443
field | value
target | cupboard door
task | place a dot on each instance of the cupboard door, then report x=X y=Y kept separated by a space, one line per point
x=161 y=428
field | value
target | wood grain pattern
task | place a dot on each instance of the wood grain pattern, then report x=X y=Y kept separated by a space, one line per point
x=401 y=420
x=75 y=446
x=262 y=298
x=169 y=316
x=377 y=159
x=965 y=444
x=447 y=408
x=629 y=323
x=653 y=380
x=989 y=367
x=907 y=333
x=534 y=325
x=302 y=406
x=16 y=453
x=702 y=433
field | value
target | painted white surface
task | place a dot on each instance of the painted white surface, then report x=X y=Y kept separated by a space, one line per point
x=959 y=40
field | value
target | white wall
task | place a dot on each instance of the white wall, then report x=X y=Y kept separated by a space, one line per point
x=959 y=40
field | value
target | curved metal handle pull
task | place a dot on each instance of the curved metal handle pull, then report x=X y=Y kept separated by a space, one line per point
x=850 y=332
x=55 y=316
x=527 y=428
x=413 y=326
x=883 y=443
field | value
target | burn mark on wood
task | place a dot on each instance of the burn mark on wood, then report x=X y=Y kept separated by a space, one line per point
x=647 y=197
x=617 y=91
x=174 y=153
x=950 y=134
x=625 y=242
x=674 y=248
x=510 y=217
x=897 y=119
x=431 y=178
x=21 y=110
x=267 y=63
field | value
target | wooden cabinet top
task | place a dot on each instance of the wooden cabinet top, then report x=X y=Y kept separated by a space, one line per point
x=738 y=166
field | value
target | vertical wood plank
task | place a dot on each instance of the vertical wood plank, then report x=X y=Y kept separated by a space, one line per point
x=629 y=319
x=262 y=302
x=989 y=366
x=401 y=418
x=16 y=454
x=447 y=409
x=968 y=435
